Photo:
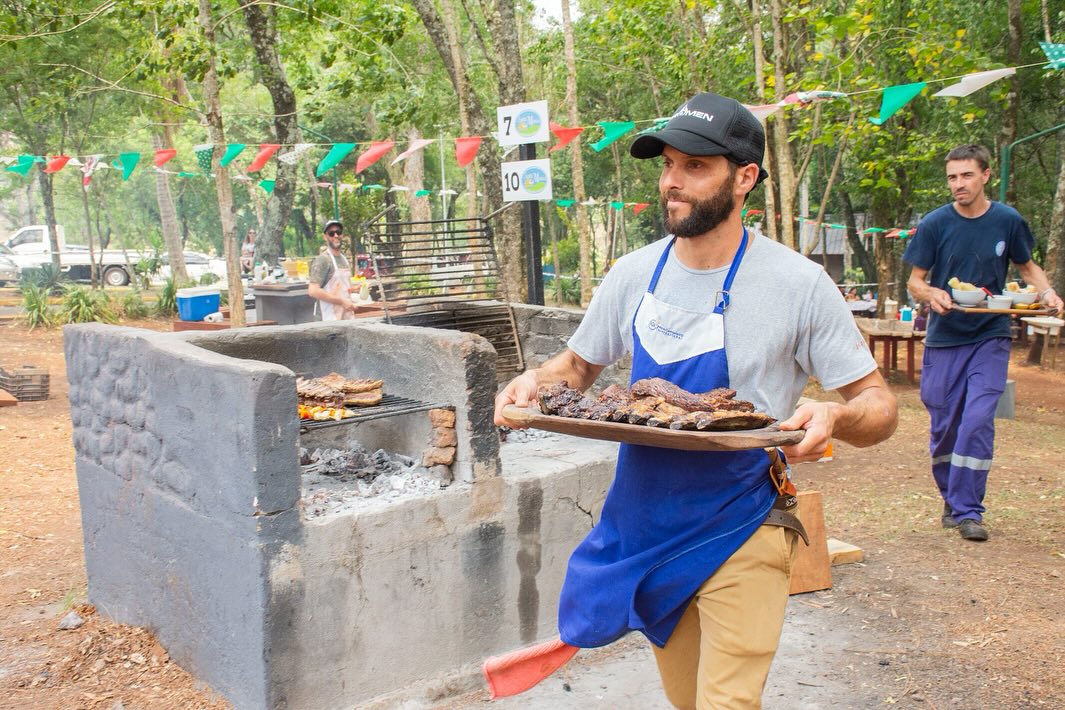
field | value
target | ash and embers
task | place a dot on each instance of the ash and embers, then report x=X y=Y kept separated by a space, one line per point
x=344 y=480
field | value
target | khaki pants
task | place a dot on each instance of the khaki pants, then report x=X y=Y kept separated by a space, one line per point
x=719 y=655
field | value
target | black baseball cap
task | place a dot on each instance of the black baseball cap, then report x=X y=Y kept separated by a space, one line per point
x=709 y=124
x=333 y=223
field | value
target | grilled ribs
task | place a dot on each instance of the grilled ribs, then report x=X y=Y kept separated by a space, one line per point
x=315 y=393
x=657 y=403
x=335 y=390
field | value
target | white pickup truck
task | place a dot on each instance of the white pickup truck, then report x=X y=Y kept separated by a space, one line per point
x=29 y=248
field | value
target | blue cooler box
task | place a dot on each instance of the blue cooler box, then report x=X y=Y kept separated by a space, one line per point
x=198 y=302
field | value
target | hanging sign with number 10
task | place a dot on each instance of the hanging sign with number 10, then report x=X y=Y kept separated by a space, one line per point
x=526 y=180
x=523 y=123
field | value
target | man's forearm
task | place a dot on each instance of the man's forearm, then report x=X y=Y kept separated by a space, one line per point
x=566 y=367
x=867 y=419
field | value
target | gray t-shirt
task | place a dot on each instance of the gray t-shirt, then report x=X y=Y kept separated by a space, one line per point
x=322 y=268
x=786 y=320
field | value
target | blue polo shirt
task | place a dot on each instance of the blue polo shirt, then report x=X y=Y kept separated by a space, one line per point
x=977 y=250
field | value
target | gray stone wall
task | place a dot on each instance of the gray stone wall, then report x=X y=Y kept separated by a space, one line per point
x=186 y=448
x=544 y=333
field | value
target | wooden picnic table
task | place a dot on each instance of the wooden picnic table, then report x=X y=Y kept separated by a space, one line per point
x=890 y=333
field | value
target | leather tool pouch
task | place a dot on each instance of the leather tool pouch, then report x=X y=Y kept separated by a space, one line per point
x=783 y=512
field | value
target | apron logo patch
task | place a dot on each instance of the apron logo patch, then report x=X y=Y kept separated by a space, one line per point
x=656 y=327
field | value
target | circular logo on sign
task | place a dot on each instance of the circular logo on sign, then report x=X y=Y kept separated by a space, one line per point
x=1000 y=248
x=534 y=180
x=527 y=123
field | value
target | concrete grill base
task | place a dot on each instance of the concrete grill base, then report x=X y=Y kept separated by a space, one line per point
x=186 y=455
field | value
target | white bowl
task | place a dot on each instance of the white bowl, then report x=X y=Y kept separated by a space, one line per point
x=999 y=303
x=967 y=298
x=1021 y=296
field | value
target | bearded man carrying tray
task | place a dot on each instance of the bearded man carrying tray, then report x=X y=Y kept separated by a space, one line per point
x=682 y=552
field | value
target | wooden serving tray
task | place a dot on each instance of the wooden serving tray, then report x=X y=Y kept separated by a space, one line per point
x=1003 y=311
x=738 y=440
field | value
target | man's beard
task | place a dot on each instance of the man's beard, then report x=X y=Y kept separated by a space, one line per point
x=704 y=215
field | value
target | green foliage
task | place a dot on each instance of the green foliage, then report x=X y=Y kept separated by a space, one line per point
x=569 y=254
x=146 y=268
x=35 y=305
x=208 y=278
x=82 y=304
x=571 y=290
x=166 y=306
x=46 y=276
x=133 y=305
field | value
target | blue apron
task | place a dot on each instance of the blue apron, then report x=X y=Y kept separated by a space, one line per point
x=671 y=517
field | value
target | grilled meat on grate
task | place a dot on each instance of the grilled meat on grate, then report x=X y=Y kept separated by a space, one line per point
x=335 y=390
x=315 y=393
x=657 y=403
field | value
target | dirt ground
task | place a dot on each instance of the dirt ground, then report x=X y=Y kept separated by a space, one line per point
x=978 y=625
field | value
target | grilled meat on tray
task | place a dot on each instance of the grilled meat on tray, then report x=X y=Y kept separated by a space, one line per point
x=657 y=403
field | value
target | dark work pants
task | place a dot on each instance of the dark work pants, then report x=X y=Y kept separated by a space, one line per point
x=960 y=387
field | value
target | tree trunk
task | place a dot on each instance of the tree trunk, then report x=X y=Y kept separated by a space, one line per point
x=584 y=228
x=223 y=187
x=462 y=91
x=508 y=232
x=48 y=198
x=168 y=217
x=414 y=178
x=778 y=124
x=93 y=271
x=1008 y=134
x=262 y=28
x=1055 y=261
x=866 y=261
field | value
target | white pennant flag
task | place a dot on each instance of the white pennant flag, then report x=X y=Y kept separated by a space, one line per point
x=974 y=82
x=293 y=155
x=764 y=111
x=92 y=162
x=415 y=145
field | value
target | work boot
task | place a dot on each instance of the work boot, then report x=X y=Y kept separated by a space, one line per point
x=972 y=530
x=948 y=518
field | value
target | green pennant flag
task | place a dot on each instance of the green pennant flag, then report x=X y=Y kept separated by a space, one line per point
x=658 y=125
x=186 y=174
x=22 y=167
x=204 y=152
x=894 y=98
x=267 y=186
x=565 y=203
x=232 y=151
x=873 y=230
x=904 y=233
x=612 y=130
x=837 y=226
x=1055 y=54
x=127 y=161
x=423 y=193
x=618 y=205
x=338 y=152
x=374 y=186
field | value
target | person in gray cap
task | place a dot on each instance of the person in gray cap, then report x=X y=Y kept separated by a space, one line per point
x=330 y=276
x=694 y=549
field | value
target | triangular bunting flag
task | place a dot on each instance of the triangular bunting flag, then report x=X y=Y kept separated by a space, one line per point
x=337 y=153
x=163 y=155
x=658 y=125
x=565 y=203
x=1055 y=54
x=565 y=135
x=640 y=207
x=88 y=168
x=293 y=155
x=764 y=111
x=423 y=193
x=466 y=149
x=346 y=187
x=415 y=145
x=204 y=153
x=22 y=167
x=612 y=130
x=894 y=98
x=127 y=161
x=267 y=185
x=399 y=188
x=372 y=154
x=266 y=150
x=56 y=163
x=232 y=151
x=808 y=97
x=186 y=174
x=617 y=205
x=373 y=187
x=974 y=82
x=873 y=230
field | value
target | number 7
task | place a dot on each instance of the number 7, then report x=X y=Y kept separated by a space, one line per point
x=506 y=120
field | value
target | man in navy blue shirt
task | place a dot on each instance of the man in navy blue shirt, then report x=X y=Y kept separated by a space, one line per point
x=966 y=354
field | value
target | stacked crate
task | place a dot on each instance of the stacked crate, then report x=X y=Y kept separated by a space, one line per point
x=26 y=383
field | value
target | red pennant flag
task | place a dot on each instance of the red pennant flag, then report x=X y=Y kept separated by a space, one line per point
x=640 y=207
x=56 y=163
x=372 y=154
x=565 y=136
x=466 y=149
x=163 y=155
x=266 y=151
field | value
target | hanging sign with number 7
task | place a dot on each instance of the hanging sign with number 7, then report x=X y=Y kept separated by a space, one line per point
x=523 y=123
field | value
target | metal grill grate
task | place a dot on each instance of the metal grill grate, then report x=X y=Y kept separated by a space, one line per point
x=391 y=405
x=443 y=274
